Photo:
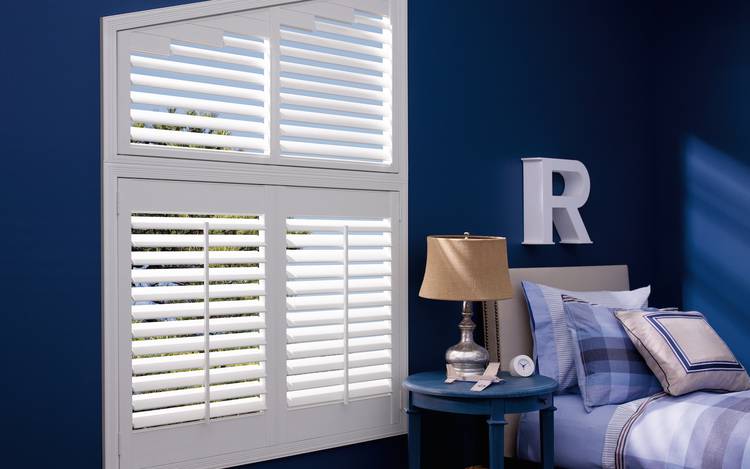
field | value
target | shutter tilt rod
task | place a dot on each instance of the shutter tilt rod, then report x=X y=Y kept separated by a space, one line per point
x=206 y=328
x=346 y=314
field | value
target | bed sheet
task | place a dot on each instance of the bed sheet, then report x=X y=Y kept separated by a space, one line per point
x=579 y=436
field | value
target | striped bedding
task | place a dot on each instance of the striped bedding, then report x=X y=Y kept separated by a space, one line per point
x=697 y=430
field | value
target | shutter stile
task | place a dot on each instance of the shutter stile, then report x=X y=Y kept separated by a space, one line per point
x=335 y=85
x=198 y=320
x=338 y=310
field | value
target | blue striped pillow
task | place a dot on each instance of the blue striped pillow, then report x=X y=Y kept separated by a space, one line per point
x=609 y=368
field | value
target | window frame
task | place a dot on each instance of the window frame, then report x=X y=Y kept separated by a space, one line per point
x=117 y=166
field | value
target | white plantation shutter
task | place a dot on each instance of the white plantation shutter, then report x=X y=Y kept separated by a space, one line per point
x=198 y=317
x=201 y=84
x=335 y=83
x=338 y=309
x=265 y=318
x=304 y=83
x=255 y=310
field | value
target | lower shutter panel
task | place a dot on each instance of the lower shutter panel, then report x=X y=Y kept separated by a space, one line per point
x=173 y=287
x=338 y=309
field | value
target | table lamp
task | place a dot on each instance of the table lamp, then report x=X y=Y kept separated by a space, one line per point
x=466 y=268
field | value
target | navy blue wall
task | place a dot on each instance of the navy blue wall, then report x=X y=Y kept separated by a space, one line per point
x=490 y=82
x=497 y=81
x=702 y=150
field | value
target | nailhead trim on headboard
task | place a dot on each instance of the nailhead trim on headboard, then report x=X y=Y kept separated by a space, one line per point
x=492 y=330
x=486 y=326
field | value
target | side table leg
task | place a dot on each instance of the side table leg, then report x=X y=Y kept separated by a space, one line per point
x=497 y=435
x=415 y=437
x=547 y=440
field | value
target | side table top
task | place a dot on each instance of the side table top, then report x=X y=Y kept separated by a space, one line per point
x=433 y=383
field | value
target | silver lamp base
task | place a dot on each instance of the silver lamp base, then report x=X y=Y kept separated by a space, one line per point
x=467 y=357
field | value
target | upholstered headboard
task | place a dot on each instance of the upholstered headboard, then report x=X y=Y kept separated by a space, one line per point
x=508 y=320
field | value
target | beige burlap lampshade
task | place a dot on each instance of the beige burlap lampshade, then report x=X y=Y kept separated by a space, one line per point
x=466 y=268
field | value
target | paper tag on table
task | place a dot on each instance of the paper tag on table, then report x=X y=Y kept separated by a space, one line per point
x=481 y=385
x=489 y=376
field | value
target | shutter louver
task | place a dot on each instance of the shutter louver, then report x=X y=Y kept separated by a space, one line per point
x=335 y=85
x=205 y=88
x=197 y=287
x=338 y=309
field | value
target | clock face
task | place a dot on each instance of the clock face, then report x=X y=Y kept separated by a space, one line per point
x=522 y=366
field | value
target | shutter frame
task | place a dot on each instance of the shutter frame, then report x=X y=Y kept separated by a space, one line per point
x=163 y=168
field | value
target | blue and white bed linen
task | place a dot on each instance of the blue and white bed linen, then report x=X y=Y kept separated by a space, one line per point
x=696 y=430
x=706 y=430
x=579 y=435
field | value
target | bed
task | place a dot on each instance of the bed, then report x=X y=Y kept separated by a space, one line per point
x=700 y=429
x=506 y=323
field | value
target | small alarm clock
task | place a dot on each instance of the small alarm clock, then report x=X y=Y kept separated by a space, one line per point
x=522 y=366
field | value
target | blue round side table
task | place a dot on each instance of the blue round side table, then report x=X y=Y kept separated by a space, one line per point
x=428 y=391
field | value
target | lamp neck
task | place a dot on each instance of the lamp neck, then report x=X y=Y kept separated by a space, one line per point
x=467 y=326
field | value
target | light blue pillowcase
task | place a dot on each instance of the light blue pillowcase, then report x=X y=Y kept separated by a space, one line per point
x=553 y=346
x=609 y=368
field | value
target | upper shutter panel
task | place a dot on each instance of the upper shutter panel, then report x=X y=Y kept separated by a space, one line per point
x=198 y=286
x=338 y=309
x=335 y=84
x=302 y=84
x=201 y=85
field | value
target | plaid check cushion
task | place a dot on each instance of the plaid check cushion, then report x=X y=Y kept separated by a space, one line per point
x=610 y=370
